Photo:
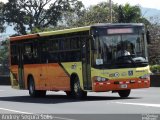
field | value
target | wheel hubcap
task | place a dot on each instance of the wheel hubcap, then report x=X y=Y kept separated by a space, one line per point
x=31 y=88
x=76 y=88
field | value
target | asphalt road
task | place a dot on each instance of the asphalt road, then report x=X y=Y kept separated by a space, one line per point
x=97 y=105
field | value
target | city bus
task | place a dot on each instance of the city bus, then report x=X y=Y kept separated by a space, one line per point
x=81 y=60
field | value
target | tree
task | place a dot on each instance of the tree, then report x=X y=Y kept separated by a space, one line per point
x=33 y=15
x=153 y=48
x=100 y=14
x=2 y=28
x=94 y=14
x=127 y=13
x=4 y=57
x=69 y=17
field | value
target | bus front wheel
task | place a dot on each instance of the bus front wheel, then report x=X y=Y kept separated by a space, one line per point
x=33 y=92
x=77 y=91
x=124 y=93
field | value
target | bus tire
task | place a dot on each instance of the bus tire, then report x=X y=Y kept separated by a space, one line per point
x=41 y=93
x=68 y=93
x=124 y=93
x=32 y=91
x=76 y=90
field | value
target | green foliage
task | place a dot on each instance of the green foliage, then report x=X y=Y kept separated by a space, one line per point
x=2 y=28
x=100 y=14
x=127 y=13
x=4 y=57
x=94 y=14
x=35 y=15
x=4 y=51
x=130 y=14
x=155 y=68
x=153 y=48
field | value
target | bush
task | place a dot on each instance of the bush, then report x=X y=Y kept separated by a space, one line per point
x=155 y=68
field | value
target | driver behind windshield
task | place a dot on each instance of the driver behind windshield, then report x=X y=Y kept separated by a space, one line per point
x=122 y=50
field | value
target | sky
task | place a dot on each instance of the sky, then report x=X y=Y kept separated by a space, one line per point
x=144 y=3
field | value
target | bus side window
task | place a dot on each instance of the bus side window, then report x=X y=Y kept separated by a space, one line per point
x=30 y=52
x=14 y=53
x=36 y=52
x=75 y=47
x=75 y=43
x=28 y=49
x=44 y=51
x=53 y=55
x=64 y=44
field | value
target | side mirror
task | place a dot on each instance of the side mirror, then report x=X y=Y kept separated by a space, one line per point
x=148 y=37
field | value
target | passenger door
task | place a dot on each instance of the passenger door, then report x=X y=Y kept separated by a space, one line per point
x=86 y=68
x=20 y=66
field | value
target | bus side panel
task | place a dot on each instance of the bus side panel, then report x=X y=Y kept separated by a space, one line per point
x=14 y=76
x=74 y=68
x=47 y=77
x=58 y=79
x=35 y=71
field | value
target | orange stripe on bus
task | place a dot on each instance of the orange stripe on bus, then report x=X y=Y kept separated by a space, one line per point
x=30 y=36
x=47 y=76
x=104 y=86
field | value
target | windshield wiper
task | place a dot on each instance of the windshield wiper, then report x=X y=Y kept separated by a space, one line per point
x=128 y=59
x=131 y=61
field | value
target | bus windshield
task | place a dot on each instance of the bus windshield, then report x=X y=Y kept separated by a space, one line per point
x=119 y=50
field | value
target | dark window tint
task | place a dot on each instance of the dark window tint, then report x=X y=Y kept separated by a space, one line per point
x=53 y=57
x=44 y=50
x=30 y=52
x=75 y=43
x=70 y=56
x=53 y=45
x=65 y=44
x=14 y=54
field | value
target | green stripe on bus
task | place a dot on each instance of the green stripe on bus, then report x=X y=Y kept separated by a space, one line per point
x=64 y=31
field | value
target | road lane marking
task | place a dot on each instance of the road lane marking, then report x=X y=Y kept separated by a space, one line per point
x=64 y=118
x=140 y=104
x=15 y=111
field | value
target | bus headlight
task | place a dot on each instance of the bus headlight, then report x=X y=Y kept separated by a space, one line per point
x=100 y=79
x=146 y=76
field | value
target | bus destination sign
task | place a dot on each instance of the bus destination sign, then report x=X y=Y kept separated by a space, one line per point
x=119 y=30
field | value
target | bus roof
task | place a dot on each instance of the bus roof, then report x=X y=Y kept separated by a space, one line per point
x=118 y=25
x=22 y=37
x=49 y=33
x=72 y=30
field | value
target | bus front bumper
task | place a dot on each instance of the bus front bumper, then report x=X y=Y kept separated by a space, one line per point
x=115 y=85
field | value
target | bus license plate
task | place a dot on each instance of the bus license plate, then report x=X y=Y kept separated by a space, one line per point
x=123 y=86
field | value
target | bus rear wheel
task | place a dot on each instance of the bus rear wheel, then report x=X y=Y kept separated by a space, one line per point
x=68 y=93
x=33 y=92
x=124 y=93
x=77 y=91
